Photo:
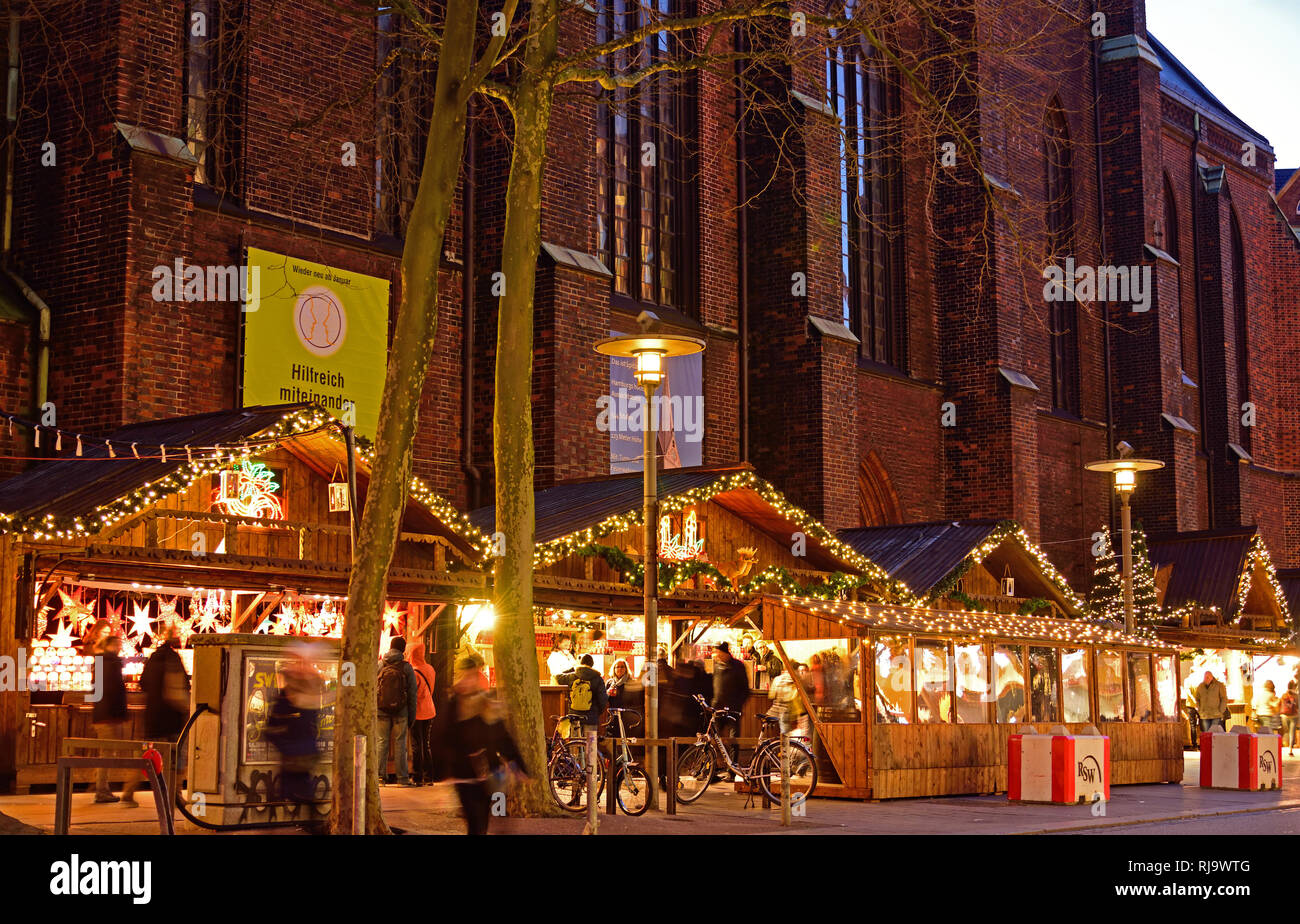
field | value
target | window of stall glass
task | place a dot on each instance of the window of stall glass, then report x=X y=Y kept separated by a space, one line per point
x=1139 y=687
x=1044 y=684
x=1009 y=684
x=1076 y=682
x=1110 y=686
x=829 y=672
x=971 y=667
x=893 y=682
x=933 y=683
x=1166 y=688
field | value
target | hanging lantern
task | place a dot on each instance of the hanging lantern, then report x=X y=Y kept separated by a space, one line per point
x=1008 y=583
x=228 y=492
x=339 y=497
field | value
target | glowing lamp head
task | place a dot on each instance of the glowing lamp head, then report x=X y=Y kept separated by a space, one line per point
x=649 y=367
x=1125 y=480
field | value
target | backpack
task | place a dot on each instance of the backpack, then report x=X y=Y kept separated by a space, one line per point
x=580 y=698
x=1288 y=706
x=391 y=688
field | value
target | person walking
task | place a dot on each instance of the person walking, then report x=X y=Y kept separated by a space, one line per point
x=109 y=713
x=1288 y=709
x=1211 y=702
x=473 y=748
x=1266 y=709
x=787 y=707
x=424 y=715
x=397 y=701
x=293 y=729
x=166 y=687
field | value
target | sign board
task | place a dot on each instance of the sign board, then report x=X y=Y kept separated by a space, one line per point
x=678 y=410
x=315 y=333
x=261 y=685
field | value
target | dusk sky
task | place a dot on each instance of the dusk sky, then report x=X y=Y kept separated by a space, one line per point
x=1247 y=52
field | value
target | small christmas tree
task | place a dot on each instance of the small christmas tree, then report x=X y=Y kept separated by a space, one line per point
x=1106 y=598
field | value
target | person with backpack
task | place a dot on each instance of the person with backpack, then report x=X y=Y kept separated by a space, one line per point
x=424 y=715
x=587 y=696
x=1288 y=709
x=787 y=706
x=398 y=705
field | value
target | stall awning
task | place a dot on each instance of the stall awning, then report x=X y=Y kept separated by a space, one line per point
x=930 y=557
x=814 y=616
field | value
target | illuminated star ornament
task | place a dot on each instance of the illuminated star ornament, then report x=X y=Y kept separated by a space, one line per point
x=286 y=621
x=74 y=610
x=141 y=624
x=62 y=637
x=392 y=617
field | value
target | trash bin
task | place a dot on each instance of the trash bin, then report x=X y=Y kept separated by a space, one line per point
x=234 y=771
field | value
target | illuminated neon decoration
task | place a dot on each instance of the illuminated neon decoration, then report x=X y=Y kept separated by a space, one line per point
x=254 y=495
x=689 y=545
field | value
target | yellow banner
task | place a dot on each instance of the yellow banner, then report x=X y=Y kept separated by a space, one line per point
x=315 y=333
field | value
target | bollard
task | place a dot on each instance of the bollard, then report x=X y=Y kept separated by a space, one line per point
x=785 y=780
x=359 y=784
x=593 y=799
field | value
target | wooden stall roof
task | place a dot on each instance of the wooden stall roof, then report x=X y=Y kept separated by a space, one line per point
x=825 y=615
x=926 y=556
x=71 y=492
x=1289 y=578
x=1207 y=568
x=587 y=509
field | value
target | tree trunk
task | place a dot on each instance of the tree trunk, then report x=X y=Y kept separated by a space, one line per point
x=512 y=429
x=408 y=364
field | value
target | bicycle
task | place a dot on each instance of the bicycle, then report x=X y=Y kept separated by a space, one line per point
x=695 y=767
x=631 y=784
x=566 y=767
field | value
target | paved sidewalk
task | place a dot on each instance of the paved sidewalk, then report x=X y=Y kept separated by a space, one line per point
x=433 y=810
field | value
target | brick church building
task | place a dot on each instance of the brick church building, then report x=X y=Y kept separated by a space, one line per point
x=912 y=371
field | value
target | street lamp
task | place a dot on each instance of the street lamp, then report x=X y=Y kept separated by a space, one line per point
x=1124 y=471
x=650 y=351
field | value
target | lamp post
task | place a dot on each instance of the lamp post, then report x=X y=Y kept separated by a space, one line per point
x=1124 y=470
x=649 y=351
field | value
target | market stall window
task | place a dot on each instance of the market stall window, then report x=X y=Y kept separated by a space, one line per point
x=1045 y=684
x=1077 y=683
x=972 y=671
x=1110 y=686
x=1166 y=688
x=893 y=682
x=829 y=671
x=1139 y=687
x=933 y=683
x=1009 y=683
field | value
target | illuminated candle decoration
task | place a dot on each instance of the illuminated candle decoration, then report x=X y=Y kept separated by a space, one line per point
x=256 y=494
x=688 y=546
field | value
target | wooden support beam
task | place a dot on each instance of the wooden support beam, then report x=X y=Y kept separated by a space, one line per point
x=239 y=620
x=420 y=629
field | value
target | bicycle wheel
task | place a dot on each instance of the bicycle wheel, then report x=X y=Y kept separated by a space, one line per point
x=694 y=772
x=567 y=773
x=803 y=772
x=633 y=789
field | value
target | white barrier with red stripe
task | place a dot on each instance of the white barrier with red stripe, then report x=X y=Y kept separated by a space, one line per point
x=1241 y=761
x=1065 y=769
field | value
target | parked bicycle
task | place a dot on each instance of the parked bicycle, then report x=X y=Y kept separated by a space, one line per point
x=631 y=784
x=566 y=766
x=698 y=763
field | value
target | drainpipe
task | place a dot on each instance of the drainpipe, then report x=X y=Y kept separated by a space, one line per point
x=742 y=229
x=467 y=323
x=1101 y=237
x=42 y=309
x=1200 y=320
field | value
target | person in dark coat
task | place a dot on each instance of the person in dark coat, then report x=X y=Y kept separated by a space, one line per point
x=166 y=687
x=587 y=695
x=730 y=691
x=109 y=714
x=473 y=748
x=393 y=725
x=293 y=726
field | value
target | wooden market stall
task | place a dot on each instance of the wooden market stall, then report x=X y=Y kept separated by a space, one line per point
x=1227 y=608
x=921 y=702
x=226 y=522
x=724 y=533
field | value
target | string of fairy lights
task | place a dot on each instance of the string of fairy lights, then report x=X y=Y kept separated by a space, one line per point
x=209 y=459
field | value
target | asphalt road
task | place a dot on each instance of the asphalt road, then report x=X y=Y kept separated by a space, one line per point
x=1281 y=821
